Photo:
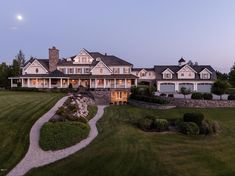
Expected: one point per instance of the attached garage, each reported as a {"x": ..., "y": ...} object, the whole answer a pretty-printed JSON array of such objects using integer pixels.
[
  {"x": 167, "y": 87},
  {"x": 186, "y": 85},
  {"x": 204, "y": 87}
]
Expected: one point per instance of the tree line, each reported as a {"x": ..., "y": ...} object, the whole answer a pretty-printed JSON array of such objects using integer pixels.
[{"x": 11, "y": 70}]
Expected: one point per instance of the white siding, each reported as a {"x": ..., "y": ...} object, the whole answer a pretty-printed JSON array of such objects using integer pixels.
[
  {"x": 35, "y": 68},
  {"x": 186, "y": 73}
]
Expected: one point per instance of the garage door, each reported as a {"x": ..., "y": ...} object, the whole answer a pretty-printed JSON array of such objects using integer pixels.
[
  {"x": 204, "y": 87},
  {"x": 186, "y": 85},
  {"x": 167, "y": 87}
]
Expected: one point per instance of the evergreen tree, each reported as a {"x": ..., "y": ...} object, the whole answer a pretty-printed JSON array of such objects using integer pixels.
[{"x": 232, "y": 76}]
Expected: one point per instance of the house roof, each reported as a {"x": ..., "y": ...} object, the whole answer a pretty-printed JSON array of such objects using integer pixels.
[
  {"x": 43, "y": 62},
  {"x": 139, "y": 69},
  {"x": 54, "y": 74},
  {"x": 181, "y": 60},
  {"x": 175, "y": 68}
]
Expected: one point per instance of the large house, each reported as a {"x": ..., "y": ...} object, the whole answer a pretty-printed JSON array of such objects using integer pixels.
[
  {"x": 198, "y": 78},
  {"x": 107, "y": 72},
  {"x": 88, "y": 69}
]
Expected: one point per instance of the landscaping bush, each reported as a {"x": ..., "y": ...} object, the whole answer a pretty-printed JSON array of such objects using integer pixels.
[
  {"x": 162, "y": 95},
  {"x": 152, "y": 99},
  {"x": 189, "y": 128},
  {"x": 26, "y": 89},
  {"x": 145, "y": 124},
  {"x": 161, "y": 124},
  {"x": 207, "y": 96},
  {"x": 209, "y": 127},
  {"x": 197, "y": 96},
  {"x": 171, "y": 95},
  {"x": 194, "y": 117},
  {"x": 231, "y": 97}
]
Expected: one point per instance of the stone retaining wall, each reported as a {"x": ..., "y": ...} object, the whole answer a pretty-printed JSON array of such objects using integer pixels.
[
  {"x": 149, "y": 105},
  {"x": 189, "y": 103}
]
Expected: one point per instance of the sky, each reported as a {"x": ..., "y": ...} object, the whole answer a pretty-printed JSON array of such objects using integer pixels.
[{"x": 143, "y": 32}]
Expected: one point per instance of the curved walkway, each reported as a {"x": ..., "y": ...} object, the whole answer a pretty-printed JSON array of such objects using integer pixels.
[{"x": 36, "y": 157}]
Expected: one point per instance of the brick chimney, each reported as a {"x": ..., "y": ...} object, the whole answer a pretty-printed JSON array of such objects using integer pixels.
[{"x": 53, "y": 58}]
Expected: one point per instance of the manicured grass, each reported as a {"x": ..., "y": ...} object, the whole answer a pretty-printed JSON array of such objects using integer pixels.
[
  {"x": 18, "y": 112},
  {"x": 123, "y": 149},
  {"x": 59, "y": 135},
  {"x": 92, "y": 111}
]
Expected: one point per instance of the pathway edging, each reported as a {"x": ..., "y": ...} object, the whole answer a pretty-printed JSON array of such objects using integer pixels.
[{"x": 36, "y": 157}]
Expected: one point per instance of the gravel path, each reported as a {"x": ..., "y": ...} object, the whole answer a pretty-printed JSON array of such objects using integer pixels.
[{"x": 36, "y": 157}]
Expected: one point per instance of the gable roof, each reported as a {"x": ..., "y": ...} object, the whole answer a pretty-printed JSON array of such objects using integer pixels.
[
  {"x": 181, "y": 60},
  {"x": 175, "y": 68},
  {"x": 186, "y": 65},
  {"x": 43, "y": 62},
  {"x": 139, "y": 69},
  {"x": 168, "y": 70},
  {"x": 103, "y": 64}
]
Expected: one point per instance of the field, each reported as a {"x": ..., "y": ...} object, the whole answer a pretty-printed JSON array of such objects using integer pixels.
[
  {"x": 18, "y": 112},
  {"x": 121, "y": 149}
]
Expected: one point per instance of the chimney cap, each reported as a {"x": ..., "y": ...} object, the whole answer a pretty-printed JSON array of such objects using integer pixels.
[{"x": 181, "y": 60}]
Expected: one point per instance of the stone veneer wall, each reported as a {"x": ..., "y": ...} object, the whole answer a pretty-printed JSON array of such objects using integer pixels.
[
  {"x": 149, "y": 105},
  {"x": 186, "y": 103},
  {"x": 189, "y": 103}
]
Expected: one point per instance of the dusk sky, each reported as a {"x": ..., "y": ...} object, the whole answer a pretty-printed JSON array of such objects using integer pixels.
[{"x": 145, "y": 33}]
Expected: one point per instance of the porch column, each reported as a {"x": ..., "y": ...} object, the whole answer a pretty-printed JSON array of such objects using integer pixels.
[
  {"x": 95, "y": 83},
  {"x": 44, "y": 83},
  {"x": 177, "y": 87},
  {"x": 158, "y": 86},
  {"x": 22, "y": 82},
  {"x": 104, "y": 83},
  {"x": 68, "y": 82},
  {"x": 136, "y": 82},
  {"x": 125, "y": 83},
  {"x": 115, "y": 83},
  {"x": 61, "y": 83},
  {"x": 11, "y": 82},
  {"x": 28, "y": 81},
  {"x": 37, "y": 82},
  {"x": 195, "y": 87},
  {"x": 90, "y": 83},
  {"x": 79, "y": 82},
  {"x": 49, "y": 83}
]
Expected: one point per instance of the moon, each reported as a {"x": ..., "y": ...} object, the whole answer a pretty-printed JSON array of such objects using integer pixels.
[{"x": 19, "y": 17}]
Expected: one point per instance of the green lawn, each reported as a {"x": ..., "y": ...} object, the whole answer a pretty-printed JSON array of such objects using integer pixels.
[
  {"x": 18, "y": 112},
  {"x": 59, "y": 135},
  {"x": 121, "y": 149}
]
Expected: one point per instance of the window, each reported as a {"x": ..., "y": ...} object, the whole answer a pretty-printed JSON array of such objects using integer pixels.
[
  {"x": 116, "y": 70},
  {"x": 189, "y": 74},
  {"x": 36, "y": 70},
  {"x": 142, "y": 74},
  {"x": 70, "y": 70},
  {"x": 167, "y": 76},
  {"x": 182, "y": 74},
  {"x": 78, "y": 70},
  {"x": 126, "y": 70},
  {"x": 87, "y": 70},
  {"x": 205, "y": 76},
  {"x": 84, "y": 59},
  {"x": 149, "y": 74},
  {"x": 101, "y": 70}
]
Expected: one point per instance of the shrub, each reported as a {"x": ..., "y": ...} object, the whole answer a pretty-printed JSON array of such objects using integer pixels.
[
  {"x": 162, "y": 95},
  {"x": 210, "y": 127},
  {"x": 61, "y": 111},
  {"x": 189, "y": 128},
  {"x": 194, "y": 117},
  {"x": 161, "y": 124},
  {"x": 207, "y": 96},
  {"x": 231, "y": 97},
  {"x": 197, "y": 96},
  {"x": 215, "y": 127},
  {"x": 171, "y": 95},
  {"x": 152, "y": 99},
  {"x": 145, "y": 124},
  {"x": 27, "y": 89}
]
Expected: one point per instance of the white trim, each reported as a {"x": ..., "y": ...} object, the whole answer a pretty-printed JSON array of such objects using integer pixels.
[
  {"x": 167, "y": 69},
  {"x": 206, "y": 70},
  {"x": 103, "y": 64},
  {"x": 39, "y": 64},
  {"x": 187, "y": 66}
]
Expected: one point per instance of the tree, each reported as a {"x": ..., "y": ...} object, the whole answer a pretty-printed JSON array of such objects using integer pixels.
[
  {"x": 185, "y": 91},
  {"x": 222, "y": 76},
  {"x": 20, "y": 57},
  {"x": 231, "y": 76},
  {"x": 5, "y": 72},
  {"x": 219, "y": 87}
]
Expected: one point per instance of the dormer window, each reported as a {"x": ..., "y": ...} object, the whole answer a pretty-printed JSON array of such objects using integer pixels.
[
  {"x": 167, "y": 76},
  {"x": 98, "y": 59},
  {"x": 142, "y": 74},
  {"x": 36, "y": 70},
  {"x": 205, "y": 76}
]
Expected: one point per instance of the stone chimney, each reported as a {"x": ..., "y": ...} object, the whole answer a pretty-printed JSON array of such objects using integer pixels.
[{"x": 53, "y": 58}]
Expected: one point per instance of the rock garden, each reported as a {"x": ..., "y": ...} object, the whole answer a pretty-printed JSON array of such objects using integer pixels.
[{"x": 69, "y": 125}]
